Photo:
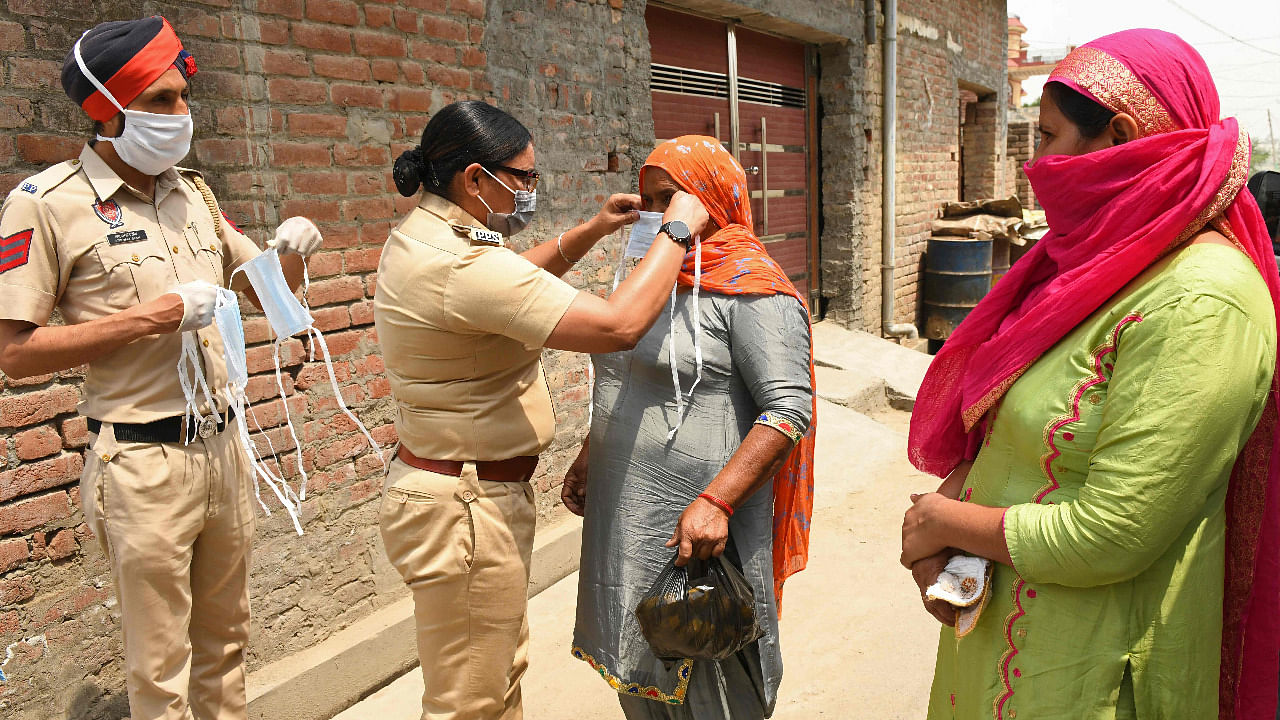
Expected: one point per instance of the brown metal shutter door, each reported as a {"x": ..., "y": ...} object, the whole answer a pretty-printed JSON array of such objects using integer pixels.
[
  {"x": 690, "y": 86},
  {"x": 681, "y": 42},
  {"x": 771, "y": 90}
]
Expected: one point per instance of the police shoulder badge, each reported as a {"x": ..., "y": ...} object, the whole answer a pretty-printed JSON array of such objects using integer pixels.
[
  {"x": 109, "y": 212},
  {"x": 30, "y": 188},
  {"x": 479, "y": 235}
]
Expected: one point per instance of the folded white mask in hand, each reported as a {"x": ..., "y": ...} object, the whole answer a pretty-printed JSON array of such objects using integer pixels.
[
  {"x": 643, "y": 233},
  {"x": 962, "y": 582},
  {"x": 287, "y": 316},
  {"x": 226, "y": 314},
  {"x": 198, "y": 299},
  {"x": 296, "y": 235},
  {"x": 226, "y": 317}
]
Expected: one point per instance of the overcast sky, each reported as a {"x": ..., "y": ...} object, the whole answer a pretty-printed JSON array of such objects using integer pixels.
[{"x": 1246, "y": 69}]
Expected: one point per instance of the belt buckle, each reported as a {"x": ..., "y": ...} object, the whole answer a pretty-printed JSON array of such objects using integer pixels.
[{"x": 208, "y": 426}]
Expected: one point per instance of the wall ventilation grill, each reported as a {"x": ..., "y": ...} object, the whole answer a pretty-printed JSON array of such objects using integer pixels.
[{"x": 701, "y": 83}]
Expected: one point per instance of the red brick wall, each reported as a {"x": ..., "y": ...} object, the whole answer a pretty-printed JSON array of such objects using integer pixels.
[
  {"x": 1024, "y": 136},
  {"x": 944, "y": 48},
  {"x": 299, "y": 108}
]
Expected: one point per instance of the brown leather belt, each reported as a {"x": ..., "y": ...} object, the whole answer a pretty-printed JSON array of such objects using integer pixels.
[{"x": 516, "y": 469}]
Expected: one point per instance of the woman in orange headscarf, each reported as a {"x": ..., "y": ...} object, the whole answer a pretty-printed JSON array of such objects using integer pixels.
[{"x": 715, "y": 456}]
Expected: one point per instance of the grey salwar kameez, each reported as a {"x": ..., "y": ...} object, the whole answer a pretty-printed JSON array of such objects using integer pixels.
[{"x": 755, "y": 353}]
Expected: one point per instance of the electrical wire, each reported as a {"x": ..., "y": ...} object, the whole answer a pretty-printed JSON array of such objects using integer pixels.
[{"x": 1211, "y": 26}]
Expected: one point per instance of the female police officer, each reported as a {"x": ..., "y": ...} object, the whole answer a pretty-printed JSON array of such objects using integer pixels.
[{"x": 462, "y": 321}]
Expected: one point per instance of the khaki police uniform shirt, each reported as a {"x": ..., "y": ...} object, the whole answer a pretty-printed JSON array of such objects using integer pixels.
[
  {"x": 76, "y": 237},
  {"x": 462, "y": 325}
]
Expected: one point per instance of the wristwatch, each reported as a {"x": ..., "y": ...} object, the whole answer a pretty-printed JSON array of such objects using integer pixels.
[{"x": 678, "y": 231}]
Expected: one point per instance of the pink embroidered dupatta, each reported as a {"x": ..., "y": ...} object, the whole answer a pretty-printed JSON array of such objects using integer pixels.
[{"x": 1112, "y": 214}]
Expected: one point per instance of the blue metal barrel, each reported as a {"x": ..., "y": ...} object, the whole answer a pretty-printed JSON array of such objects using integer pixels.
[
  {"x": 1000, "y": 260},
  {"x": 957, "y": 274}
]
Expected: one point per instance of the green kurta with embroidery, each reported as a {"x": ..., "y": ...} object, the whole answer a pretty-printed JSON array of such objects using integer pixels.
[{"x": 1113, "y": 453}]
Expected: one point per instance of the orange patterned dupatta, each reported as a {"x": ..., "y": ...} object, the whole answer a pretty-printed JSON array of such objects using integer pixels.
[
  {"x": 734, "y": 262},
  {"x": 1112, "y": 214}
]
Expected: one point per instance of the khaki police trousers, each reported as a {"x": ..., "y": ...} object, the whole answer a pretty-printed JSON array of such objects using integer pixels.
[
  {"x": 463, "y": 545},
  {"x": 176, "y": 521}
]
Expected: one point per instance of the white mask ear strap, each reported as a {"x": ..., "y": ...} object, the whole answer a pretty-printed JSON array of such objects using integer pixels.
[
  {"x": 683, "y": 401},
  {"x": 191, "y": 377},
  {"x": 674, "y": 359},
  {"x": 697, "y": 318},
  {"x": 85, "y": 69}
]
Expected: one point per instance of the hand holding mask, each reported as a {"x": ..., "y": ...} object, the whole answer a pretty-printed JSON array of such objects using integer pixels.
[{"x": 197, "y": 304}]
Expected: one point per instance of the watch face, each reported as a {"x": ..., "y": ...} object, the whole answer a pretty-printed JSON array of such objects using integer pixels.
[{"x": 678, "y": 229}]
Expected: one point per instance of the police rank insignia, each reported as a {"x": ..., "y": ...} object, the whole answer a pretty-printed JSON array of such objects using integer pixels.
[
  {"x": 109, "y": 212},
  {"x": 478, "y": 235},
  {"x": 27, "y": 187},
  {"x": 15, "y": 250}
]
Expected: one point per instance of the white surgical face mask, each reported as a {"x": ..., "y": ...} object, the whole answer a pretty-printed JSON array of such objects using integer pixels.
[
  {"x": 513, "y": 222},
  {"x": 643, "y": 233},
  {"x": 226, "y": 316},
  {"x": 287, "y": 316},
  {"x": 150, "y": 143},
  {"x": 153, "y": 143}
]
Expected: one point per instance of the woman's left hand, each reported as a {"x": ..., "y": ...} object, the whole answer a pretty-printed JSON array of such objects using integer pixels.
[
  {"x": 920, "y": 527},
  {"x": 574, "y": 491},
  {"x": 620, "y": 209},
  {"x": 702, "y": 532}
]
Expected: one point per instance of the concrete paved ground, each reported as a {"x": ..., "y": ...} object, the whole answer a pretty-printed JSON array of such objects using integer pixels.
[{"x": 856, "y": 643}]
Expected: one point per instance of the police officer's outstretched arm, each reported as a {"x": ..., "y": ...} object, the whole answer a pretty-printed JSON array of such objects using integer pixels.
[
  {"x": 559, "y": 255},
  {"x": 593, "y": 324},
  {"x": 28, "y": 349},
  {"x": 35, "y": 275}
]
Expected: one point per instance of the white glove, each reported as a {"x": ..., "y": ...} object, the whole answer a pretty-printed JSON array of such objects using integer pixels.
[
  {"x": 296, "y": 235},
  {"x": 198, "y": 298}
]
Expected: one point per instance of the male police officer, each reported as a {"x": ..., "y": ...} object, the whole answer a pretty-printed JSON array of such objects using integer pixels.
[{"x": 132, "y": 250}]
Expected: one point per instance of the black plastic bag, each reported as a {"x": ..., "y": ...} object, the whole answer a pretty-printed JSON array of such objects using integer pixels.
[{"x": 703, "y": 611}]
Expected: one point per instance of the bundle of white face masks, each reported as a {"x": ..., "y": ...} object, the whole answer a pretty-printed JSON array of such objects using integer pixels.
[{"x": 287, "y": 318}]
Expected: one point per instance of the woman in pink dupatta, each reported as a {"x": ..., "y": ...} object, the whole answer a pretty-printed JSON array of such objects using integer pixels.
[{"x": 1106, "y": 420}]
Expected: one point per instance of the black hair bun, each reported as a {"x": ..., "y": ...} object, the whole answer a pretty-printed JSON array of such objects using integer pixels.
[{"x": 408, "y": 172}]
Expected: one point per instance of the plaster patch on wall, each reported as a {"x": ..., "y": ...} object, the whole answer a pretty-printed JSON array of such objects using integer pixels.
[
  {"x": 916, "y": 26},
  {"x": 8, "y": 652},
  {"x": 954, "y": 46}
]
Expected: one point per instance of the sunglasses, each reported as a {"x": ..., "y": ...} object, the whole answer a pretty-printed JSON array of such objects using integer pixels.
[{"x": 530, "y": 178}]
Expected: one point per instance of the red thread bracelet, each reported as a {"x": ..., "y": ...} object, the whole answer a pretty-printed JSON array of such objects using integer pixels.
[{"x": 718, "y": 503}]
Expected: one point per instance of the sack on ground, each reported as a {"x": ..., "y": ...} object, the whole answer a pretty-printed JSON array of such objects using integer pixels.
[{"x": 703, "y": 611}]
